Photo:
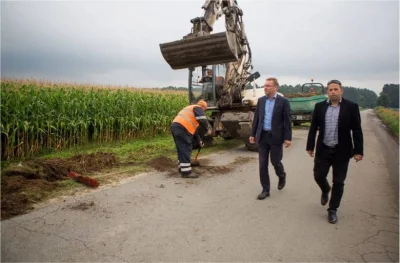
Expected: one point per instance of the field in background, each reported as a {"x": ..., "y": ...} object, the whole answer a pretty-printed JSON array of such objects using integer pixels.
[
  {"x": 41, "y": 116},
  {"x": 390, "y": 118}
]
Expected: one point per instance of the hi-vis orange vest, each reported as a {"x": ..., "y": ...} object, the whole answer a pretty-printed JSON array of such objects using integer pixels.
[{"x": 187, "y": 119}]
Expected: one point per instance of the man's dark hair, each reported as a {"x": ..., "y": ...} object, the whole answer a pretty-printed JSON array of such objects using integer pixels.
[{"x": 334, "y": 81}]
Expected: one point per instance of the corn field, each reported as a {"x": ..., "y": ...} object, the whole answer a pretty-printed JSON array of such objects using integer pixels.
[{"x": 38, "y": 116}]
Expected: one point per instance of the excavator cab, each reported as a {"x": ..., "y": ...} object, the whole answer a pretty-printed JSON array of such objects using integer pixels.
[
  {"x": 313, "y": 88},
  {"x": 206, "y": 82}
]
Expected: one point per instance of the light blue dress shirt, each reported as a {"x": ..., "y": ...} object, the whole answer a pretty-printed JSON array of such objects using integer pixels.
[{"x": 269, "y": 110}]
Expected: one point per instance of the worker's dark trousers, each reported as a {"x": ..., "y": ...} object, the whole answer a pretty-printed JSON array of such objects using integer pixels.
[
  {"x": 183, "y": 142},
  {"x": 327, "y": 158}
]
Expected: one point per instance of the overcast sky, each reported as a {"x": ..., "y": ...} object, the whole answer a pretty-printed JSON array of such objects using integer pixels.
[{"x": 109, "y": 42}]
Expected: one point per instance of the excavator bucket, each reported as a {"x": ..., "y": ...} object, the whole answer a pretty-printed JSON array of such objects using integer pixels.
[{"x": 199, "y": 51}]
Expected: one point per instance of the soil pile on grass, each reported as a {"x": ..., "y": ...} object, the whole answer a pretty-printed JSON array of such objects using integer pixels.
[
  {"x": 94, "y": 162},
  {"x": 30, "y": 182},
  {"x": 163, "y": 164},
  {"x": 18, "y": 194}
]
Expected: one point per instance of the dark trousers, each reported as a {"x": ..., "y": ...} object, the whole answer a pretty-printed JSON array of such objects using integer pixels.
[
  {"x": 183, "y": 143},
  {"x": 328, "y": 157},
  {"x": 265, "y": 148}
]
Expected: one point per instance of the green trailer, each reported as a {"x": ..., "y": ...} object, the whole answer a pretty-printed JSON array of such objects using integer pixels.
[{"x": 302, "y": 107}]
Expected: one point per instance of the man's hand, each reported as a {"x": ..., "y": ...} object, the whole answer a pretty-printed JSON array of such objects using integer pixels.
[
  {"x": 311, "y": 153},
  {"x": 201, "y": 144},
  {"x": 287, "y": 143},
  {"x": 252, "y": 139},
  {"x": 209, "y": 132},
  {"x": 358, "y": 157}
]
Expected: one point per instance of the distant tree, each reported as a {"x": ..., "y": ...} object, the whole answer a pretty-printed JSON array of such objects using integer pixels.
[
  {"x": 174, "y": 88},
  {"x": 370, "y": 98},
  {"x": 351, "y": 93},
  {"x": 364, "y": 97},
  {"x": 286, "y": 89},
  {"x": 383, "y": 100},
  {"x": 392, "y": 90},
  {"x": 361, "y": 102}
]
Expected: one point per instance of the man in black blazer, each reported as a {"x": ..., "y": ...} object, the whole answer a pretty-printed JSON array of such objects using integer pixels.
[
  {"x": 335, "y": 119},
  {"x": 271, "y": 129}
]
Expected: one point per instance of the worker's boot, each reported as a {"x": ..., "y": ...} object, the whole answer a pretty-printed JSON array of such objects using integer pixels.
[{"x": 190, "y": 175}]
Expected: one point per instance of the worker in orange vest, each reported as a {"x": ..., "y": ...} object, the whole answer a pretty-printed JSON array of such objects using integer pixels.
[{"x": 190, "y": 124}]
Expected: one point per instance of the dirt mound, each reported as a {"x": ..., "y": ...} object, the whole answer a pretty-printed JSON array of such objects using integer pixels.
[
  {"x": 95, "y": 161},
  {"x": 18, "y": 194},
  {"x": 24, "y": 184},
  {"x": 210, "y": 170},
  {"x": 23, "y": 171},
  {"x": 163, "y": 164},
  {"x": 57, "y": 169}
]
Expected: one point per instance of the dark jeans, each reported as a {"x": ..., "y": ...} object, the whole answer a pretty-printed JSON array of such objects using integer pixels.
[
  {"x": 339, "y": 165},
  {"x": 265, "y": 148}
]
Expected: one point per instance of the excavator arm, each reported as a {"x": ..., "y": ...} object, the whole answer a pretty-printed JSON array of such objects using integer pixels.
[{"x": 200, "y": 48}]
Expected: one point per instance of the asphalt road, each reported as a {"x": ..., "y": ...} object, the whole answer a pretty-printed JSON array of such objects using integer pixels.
[{"x": 159, "y": 217}]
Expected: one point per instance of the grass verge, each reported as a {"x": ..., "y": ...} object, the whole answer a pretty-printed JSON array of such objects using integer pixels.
[{"x": 390, "y": 118}]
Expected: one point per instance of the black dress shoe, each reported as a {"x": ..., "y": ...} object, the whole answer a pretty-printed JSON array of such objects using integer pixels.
[
  {"x": 325, "y": 197},
  {"x": 282, "y": 181},
  {"x": 332, "y": 218},
  {"x": 263, "y": 195}
]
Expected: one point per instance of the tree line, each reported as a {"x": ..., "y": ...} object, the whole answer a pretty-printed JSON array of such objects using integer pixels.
[
  {"x": 365, "y": 98},
  {"x": 389, "y": 97}
]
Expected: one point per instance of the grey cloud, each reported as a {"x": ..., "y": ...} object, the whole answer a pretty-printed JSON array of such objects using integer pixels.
[{"x": 118, "y": 42}]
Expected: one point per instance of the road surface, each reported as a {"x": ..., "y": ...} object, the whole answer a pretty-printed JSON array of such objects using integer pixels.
[{"x": 161, "y": 217}]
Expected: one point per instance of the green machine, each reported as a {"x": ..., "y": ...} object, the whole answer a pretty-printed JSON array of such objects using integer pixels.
[{"x": 302, "y": 106}]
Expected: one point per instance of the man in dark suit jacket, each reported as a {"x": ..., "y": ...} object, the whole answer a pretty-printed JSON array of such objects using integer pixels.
[
  {"x": 271, "y": 129},
  {"x": 335, "y": 119}
]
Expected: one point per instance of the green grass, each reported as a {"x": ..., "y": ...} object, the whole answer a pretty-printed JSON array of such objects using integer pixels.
[
  {"x": 390, "y": 118},
  {"x": 141, "y": 150},
  {"x": 121, "y": 149}
]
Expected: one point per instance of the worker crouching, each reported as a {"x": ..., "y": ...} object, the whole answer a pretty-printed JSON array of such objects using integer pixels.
[{"x": 190, "y": 124}]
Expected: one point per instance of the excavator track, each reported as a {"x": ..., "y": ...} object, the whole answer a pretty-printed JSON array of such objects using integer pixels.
[{"x": 199, "y": 51}]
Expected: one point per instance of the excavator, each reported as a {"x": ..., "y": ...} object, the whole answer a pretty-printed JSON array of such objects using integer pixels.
[{"x": 219, "y": 67}]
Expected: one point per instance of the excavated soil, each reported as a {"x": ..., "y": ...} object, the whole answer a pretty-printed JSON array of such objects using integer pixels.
[
  {"x": 25, "y": 184},
  {"x": 15, "y": 199},
  {"x": 203, "y": 168},
  {"x": 164, "y": 164}
]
